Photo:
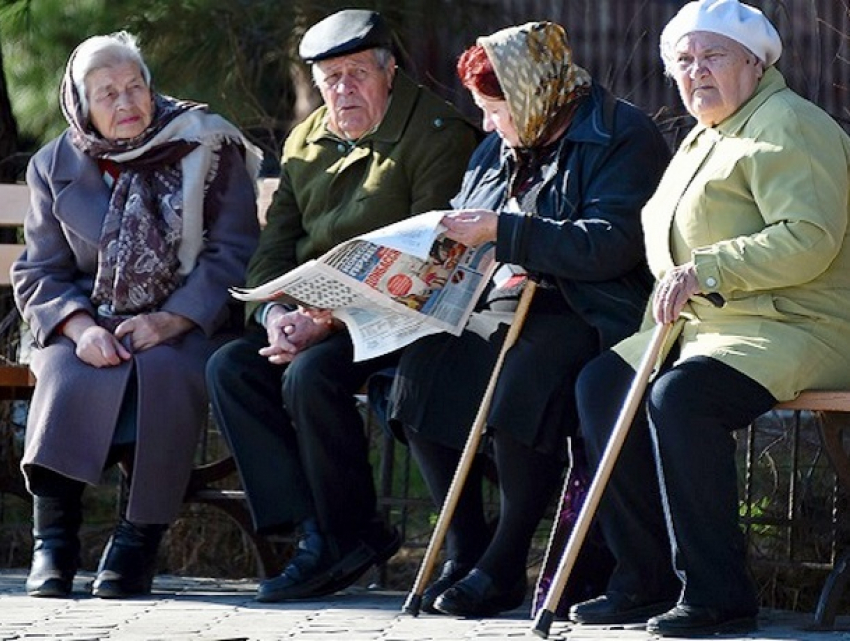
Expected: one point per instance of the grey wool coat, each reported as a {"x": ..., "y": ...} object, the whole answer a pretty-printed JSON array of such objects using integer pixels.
[{"x": 75, "y": 407}]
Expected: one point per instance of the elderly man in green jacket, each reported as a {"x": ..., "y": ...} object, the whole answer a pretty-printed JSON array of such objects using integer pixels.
[{"x": 380, "y": 149}]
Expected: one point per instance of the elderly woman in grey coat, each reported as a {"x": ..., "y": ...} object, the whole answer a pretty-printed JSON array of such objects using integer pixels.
[{"x": 142, "y": 215}]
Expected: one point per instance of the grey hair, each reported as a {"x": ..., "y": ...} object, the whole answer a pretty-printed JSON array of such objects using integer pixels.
[
  {"x": 104, "y": 51},
  {"x": 382, "y": 55}
]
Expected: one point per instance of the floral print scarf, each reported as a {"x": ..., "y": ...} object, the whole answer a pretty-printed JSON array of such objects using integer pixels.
[
  {"x": 153, "y": 229},
  {"x": 534, "y": 65}
]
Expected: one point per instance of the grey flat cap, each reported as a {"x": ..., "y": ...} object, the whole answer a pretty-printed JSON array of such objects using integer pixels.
[{"x": 345, "y": 32}]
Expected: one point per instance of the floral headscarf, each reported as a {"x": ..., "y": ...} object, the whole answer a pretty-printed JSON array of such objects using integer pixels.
[
  {"x": 534, "y": 65},
  {"x": 153, "y": 230}
]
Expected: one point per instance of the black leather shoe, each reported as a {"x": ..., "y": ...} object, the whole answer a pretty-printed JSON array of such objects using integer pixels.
[
  {"x": 698, "y": 621},
  {"x": 128, "y": 563},
  {"x": 475, "y": 596},
  {"x": 323, "y": 565},
  {"x": 451, "y": 573},
  {"x": 376, "y": 545},
  {"x": 383, "y": 540},
  {"x": 306, "y": 572},
  {"x": 613, "y": 608}
]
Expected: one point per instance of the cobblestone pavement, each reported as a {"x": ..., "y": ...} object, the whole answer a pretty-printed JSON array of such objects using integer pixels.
[{"x": 197, "y": 609}]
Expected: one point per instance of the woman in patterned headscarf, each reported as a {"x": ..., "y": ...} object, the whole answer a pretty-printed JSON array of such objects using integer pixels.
[
  {"x": 142, "y": 215},
  {"x": 557, "y": 186}
]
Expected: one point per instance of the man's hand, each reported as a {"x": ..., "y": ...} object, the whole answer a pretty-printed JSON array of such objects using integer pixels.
[{"x": 291, "y": 332}]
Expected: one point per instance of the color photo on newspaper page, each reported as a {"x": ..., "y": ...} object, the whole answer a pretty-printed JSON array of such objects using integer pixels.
[{"x": 399, "y": 282}]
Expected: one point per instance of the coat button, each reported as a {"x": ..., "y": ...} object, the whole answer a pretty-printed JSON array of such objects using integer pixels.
[
  {"x": 341, "y": 148},
  {"x": 438, "y": 123},
  {"x": 711, "y": 282}
]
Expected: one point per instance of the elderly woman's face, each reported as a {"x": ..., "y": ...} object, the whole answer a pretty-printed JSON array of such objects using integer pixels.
[
  {"x": 120, "y": 102},
  {"x": 497, "y": 117},
  {"x": 715, "y": 75},
  {"x": 356, "y": 91}
]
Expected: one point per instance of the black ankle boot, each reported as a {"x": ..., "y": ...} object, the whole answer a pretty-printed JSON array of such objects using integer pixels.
[
  {"x": 128, "y": 563},
  {"x": 56, "y": 548}
]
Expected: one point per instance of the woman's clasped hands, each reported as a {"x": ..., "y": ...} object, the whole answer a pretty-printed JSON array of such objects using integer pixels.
[{"x": 99, "y": 347}]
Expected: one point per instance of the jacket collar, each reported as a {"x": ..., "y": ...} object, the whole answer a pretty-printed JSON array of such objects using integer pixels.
[
  {"x": 588, "y": 124},
  {"x": 69, "y": 163},
  {"x": 771, "y": 83},
  {"x": 81, "y": 195}
]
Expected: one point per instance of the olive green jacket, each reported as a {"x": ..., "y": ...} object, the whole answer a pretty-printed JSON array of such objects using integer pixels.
[
  {"x": 760, "y": 204},
  {"x": 332, "y": 190}
]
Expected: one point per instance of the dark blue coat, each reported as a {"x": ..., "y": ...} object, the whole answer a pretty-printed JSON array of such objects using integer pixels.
[{"x": 585, "y": 230}]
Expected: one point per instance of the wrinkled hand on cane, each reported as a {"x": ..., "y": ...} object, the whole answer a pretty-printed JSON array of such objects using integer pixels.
[
  {"x": 546, "y": 614},
  {"x": 467, "y": 457}
]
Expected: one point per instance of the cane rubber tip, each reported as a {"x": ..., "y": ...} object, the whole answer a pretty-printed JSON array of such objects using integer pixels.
[
  {"x": 542, "y": 623},
  {"x": 412, "y": 605}
]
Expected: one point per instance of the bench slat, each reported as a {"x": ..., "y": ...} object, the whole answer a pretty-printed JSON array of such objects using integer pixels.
[
  {"x": 14, "y": 202},
  {"x": 819, "y": 401},
  {"x": 16, "y": 376},
  {"x": 9, "y": 253},
  {"x": 265, "y": 191}
]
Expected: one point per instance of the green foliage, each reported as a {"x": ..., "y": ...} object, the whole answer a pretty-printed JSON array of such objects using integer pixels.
[
  {"x": 758, "y": 509},
  {"x": 238, "y": 56},
  {"x": 37, "y": 38},
  {"x": 233, "y": 55}
]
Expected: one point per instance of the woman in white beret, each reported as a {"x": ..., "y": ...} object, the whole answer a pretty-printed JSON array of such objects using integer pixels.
[{"x": 746, "y": 237}]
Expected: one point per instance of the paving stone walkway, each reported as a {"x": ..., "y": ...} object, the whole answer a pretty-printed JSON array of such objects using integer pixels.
[{"x": 198, "y": 609}]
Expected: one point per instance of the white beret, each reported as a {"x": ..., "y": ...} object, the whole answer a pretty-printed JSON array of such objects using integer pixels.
[{"x": 740, "y": 22}]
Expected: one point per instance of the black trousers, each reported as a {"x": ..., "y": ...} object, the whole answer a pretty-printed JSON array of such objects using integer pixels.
[
  {"x": 670, "y": 509},
  {"x": 296, "y": 433}
]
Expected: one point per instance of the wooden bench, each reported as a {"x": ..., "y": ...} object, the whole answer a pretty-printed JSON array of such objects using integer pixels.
[
  {"x": 205, "y": 479},
  {"x": 16, "y": 380},
  {"x": 830, "y": 411}
]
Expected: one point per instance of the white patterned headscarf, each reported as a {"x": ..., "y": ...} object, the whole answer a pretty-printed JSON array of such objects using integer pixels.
[
  {"x": 154, "y": 228},
  {"x": 534, "y": 65}
]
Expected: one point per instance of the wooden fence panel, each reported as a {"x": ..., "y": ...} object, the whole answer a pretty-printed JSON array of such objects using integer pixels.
[{"x": 617, "y": 41}]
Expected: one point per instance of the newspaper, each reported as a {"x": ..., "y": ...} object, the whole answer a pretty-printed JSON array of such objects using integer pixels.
[{"x": 390, "y": 286}]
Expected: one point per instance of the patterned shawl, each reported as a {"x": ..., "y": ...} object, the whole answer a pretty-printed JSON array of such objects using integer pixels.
[
  {"x": 153, "y": 230},
  {"x": 533, "y": 63}
]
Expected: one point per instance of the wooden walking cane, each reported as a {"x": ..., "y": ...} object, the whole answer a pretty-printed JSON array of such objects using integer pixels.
[
  {"x": 544, "y": 618},
  {"x": 467, "y": 457}
]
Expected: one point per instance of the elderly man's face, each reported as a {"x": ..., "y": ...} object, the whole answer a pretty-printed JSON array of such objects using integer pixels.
[
  {"x": 715, "y": 75},
  {"x": 120, "y": 102},
  {"x": 356, "y": 91}
]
